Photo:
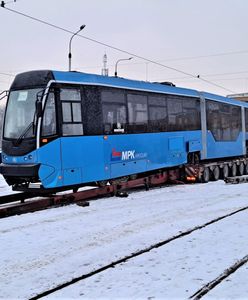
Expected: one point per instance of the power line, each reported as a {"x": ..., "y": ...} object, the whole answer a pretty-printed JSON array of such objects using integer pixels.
[
  {"x": 209, "y": 55},
  {"x": 206, "y": 75},
  {"x": 184, "y": 58},
  {"x": 117, "y": 49},
  {"x": 7, "y": 74}
]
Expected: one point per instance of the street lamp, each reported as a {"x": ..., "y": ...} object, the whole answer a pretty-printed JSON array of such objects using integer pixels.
[
  {"x": 69, "y": 54},
  {"x": 118, "y": 62}
]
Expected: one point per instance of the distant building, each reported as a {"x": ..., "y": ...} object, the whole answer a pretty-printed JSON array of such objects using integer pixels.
[{"x": 240, "y": 97}]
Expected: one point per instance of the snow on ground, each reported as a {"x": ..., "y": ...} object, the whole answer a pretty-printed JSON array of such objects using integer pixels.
[
  {"x": 178, "y": 269},
  {"x": 43, "y": 249},
  {"x": 4, "y": 188}
]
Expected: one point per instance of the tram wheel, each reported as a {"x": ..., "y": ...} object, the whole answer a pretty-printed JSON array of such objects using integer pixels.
[
  {"x": 216, "y": 173},
  {"x": 205, "y": 175}
]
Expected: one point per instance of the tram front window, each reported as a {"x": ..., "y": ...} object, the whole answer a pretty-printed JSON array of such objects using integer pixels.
[{"x": 20, "y": 114}]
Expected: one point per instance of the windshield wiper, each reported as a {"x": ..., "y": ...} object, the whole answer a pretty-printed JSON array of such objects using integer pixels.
[{"x": 24, "y": 132}]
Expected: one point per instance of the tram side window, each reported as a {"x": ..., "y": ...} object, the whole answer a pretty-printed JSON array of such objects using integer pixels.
[
  {"x": 191, "y": 114},
  {"x": 223, "y": 120},
  {"x": 137, "y": 113},
  {"x": 49, "y": 117},
  {"x": 236, "y": 122},
  {"x": 183, "y": 113},
  {"x": 175, "y": 114},
  {"x": 213, "y": 119},
  {"x": 71, "y": 111},
  {"x": 157, "y": 113},
  {"x": 114, "y": 111},
  {"x": 246, "y": 119}
]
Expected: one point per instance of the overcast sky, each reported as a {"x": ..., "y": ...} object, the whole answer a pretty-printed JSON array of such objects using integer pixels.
[{"x": 187, "y": 35}]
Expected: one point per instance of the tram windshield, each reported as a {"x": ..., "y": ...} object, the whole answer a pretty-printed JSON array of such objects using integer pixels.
[{"x": 20, "y": 112}]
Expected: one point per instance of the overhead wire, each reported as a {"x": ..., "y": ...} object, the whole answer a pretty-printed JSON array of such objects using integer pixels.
[
  {"x": 184, "y": 58},
  {"x": 7, "y": 74},
  {"x": 117, "y": 49},
  {"x": 207, "y": 75}
]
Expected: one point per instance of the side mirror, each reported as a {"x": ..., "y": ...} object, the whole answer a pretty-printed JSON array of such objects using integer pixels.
[{"x": 38, "y": 108}]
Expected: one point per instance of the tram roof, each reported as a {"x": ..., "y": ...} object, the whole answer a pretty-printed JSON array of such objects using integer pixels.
[{"x": 118, "y": 82}]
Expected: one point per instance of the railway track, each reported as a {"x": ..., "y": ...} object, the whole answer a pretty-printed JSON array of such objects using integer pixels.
[
  {"x": 197, "y": 295},
  {"x": 16, "y": 197},
  {"x": 210, "y": 285}
]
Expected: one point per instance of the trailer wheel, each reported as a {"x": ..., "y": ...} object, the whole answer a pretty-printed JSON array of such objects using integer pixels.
[
  {"x": 246, "y": 168},
  {"x": 225, "y": 171},
  {"x": 234, "y": 170},
  {"x": 216, "y": 173},
  {"x": 205, "y": 175},
  {"x": 241, "y": 169}
]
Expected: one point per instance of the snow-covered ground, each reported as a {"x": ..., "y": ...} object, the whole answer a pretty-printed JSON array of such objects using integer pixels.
[
  {"x": 44, "y": 249},
  {"x": 176, "y": 270}
]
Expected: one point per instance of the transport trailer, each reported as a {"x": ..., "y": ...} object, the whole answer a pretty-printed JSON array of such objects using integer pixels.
[{"x": 69, "y": 129}]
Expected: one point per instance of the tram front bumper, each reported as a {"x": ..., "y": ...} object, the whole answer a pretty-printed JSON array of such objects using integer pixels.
[{"x": 19, "y": 170}]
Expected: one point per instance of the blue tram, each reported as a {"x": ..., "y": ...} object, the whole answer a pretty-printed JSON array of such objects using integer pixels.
[{"x": 68, "y": 129}]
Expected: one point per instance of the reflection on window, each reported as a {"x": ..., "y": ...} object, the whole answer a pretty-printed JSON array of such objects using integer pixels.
[
  {"x": 71, "y": 111},
  {"x": 114, "y": 117},
  {"x": 73, "y": 129},
  {"x": 49, "y": 117},
  {"x": 157, "y": 113},
  {"x": 183, "y": 113},
  {"x": 114, "y": 111},
  {"x": 223, "y": 120},
  {"x": 66, "y": 109},
  {"x": 70, "y": 94},
  {"x": 20, "y": 113},
  {"x": 137, "y": 113},
  {"x": 76, "y": 112}
]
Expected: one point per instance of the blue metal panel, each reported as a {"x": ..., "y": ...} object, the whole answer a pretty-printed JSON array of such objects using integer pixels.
[
  {"x": 84, "y": 153},
  {"x": 76, "y": 160},
  {"x": 217, "y": 149},
  {"x": 101, "y": 158},
  {"x": 50, "y": 172},
  {"x": 195, "y": 146},
  {"x": 176, "y": 144},
  {"x": 72, "y": 176},
  {"x": 128, "y": 168}
]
